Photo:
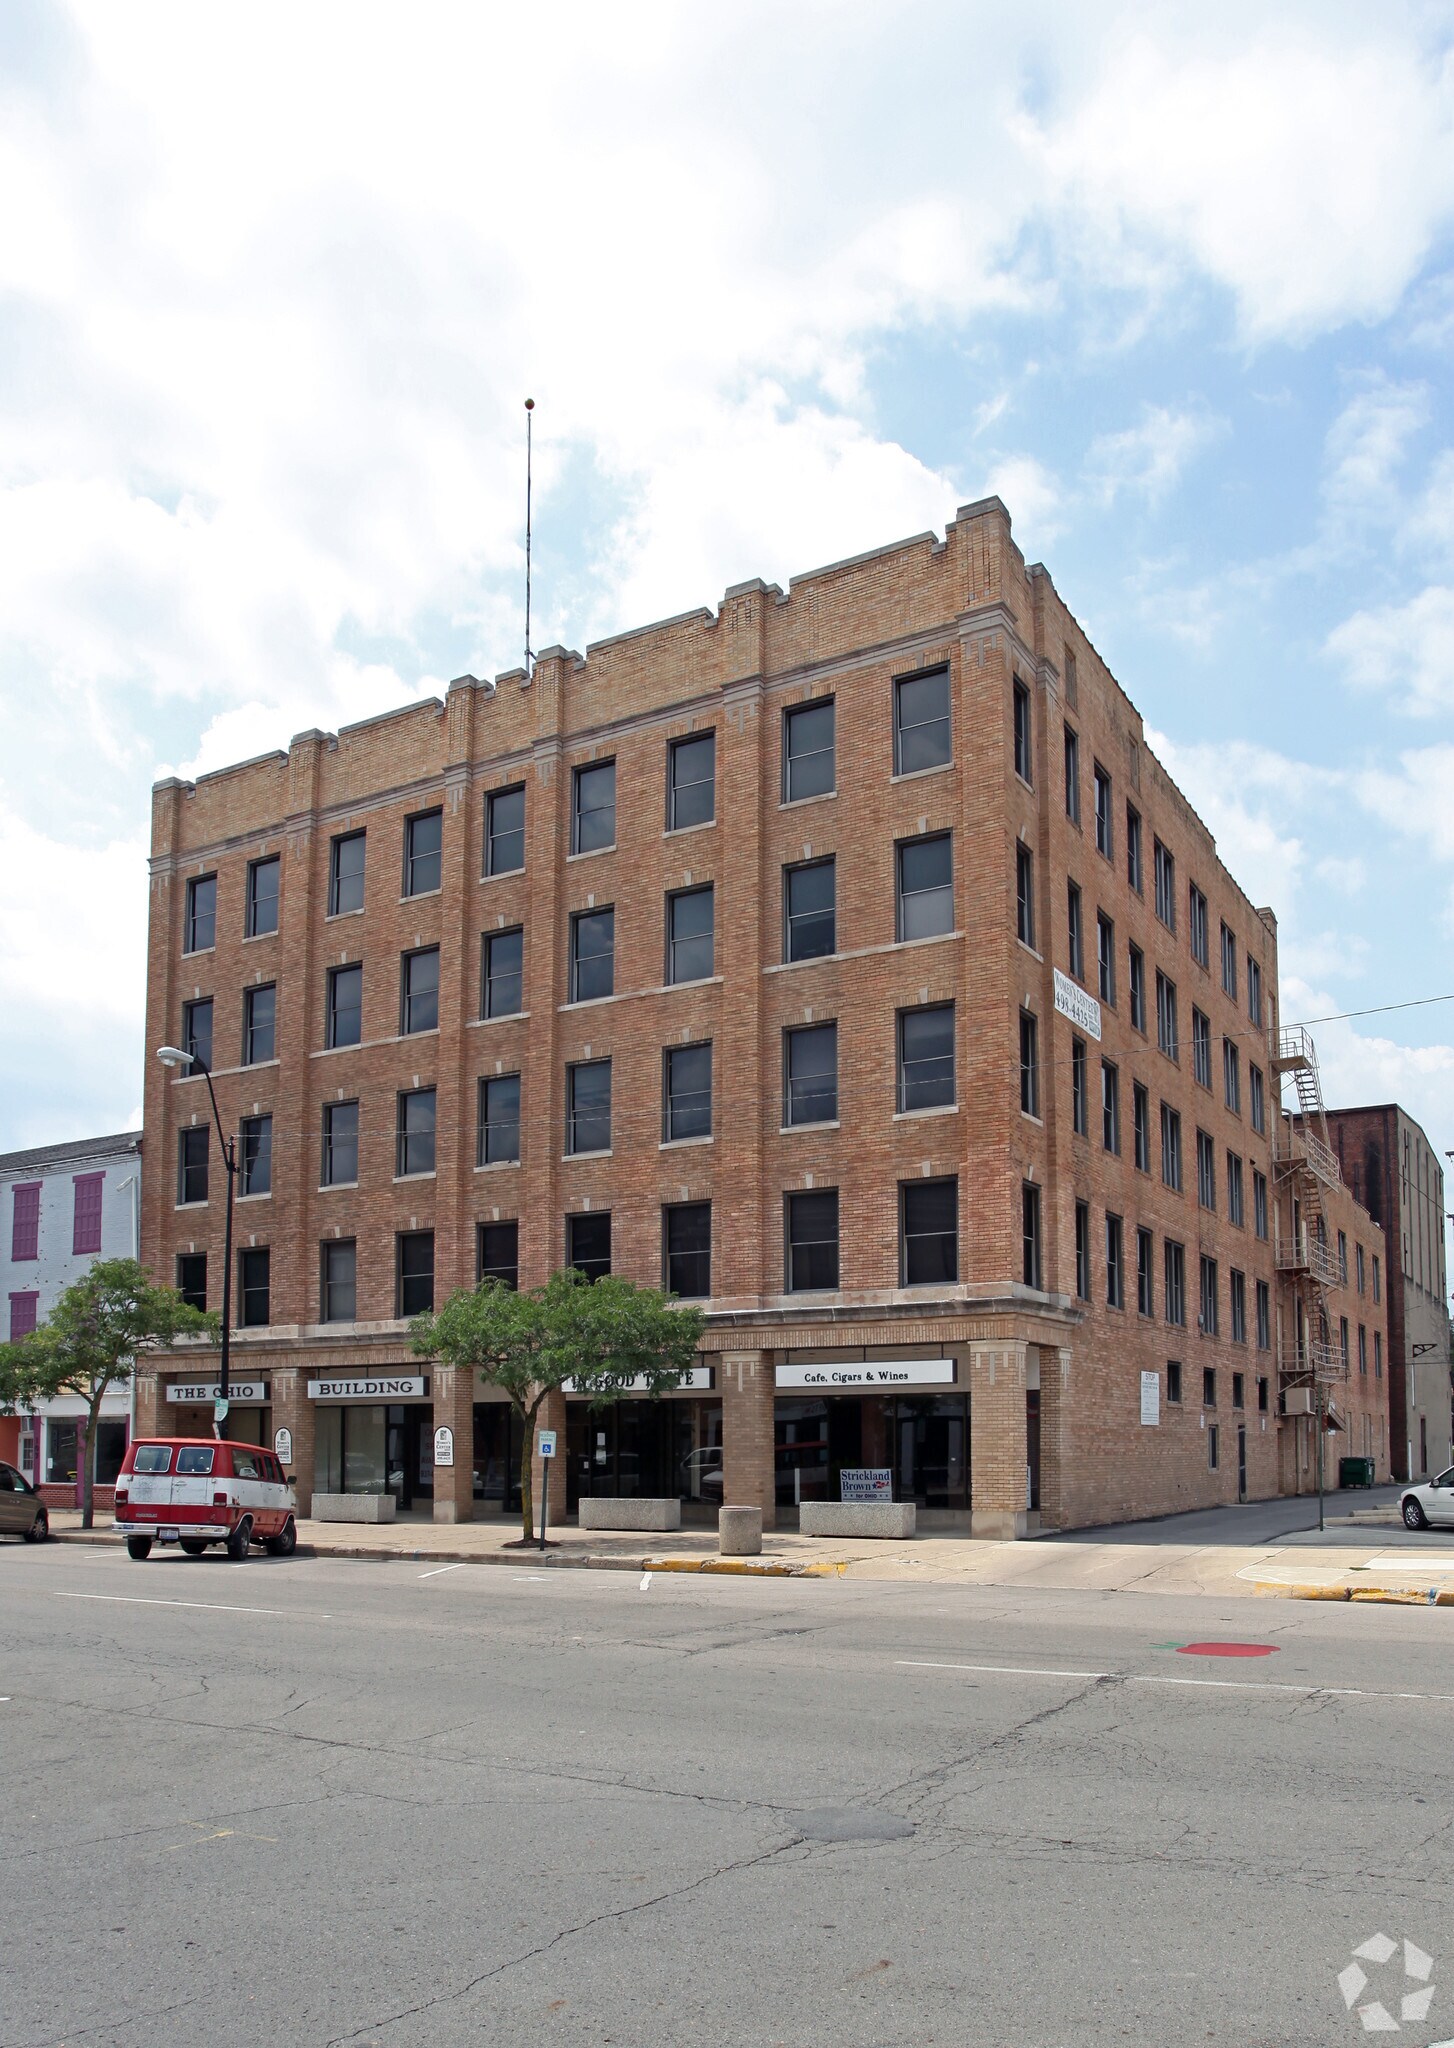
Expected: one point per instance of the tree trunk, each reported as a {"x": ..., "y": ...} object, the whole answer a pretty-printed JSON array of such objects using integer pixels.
[
  {"x": 88, "y": 1461},
  {"x": 526, "y": 1450}
]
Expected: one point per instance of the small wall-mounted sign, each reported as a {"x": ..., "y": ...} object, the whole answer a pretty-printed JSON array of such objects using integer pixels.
[{"x": 443, "y": 1446}]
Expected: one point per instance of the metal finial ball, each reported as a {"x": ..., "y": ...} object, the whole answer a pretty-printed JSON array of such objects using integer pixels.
[{"x": 530, "y": 405}]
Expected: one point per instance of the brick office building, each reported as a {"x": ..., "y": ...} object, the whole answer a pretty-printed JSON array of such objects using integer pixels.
[{"x": 844, "y": 959}]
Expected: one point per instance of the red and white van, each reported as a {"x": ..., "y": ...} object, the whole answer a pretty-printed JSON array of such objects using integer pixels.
[{"x": 195, "y": 1490}]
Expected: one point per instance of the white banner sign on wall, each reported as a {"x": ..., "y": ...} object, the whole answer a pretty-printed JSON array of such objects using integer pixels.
[
  {"x": 410, "y": 1388},
  {"x": 1072, "y": 1001},
  {"x": 697, "y": 1380},
  {"x": 856, "y": 1376},
  {"x": 1151, "y": 1397},
  {"x": 202, "y": 1393}
]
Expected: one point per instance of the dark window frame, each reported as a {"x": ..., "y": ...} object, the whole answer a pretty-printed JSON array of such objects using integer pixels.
[
  {"x": 799, "y": 1203},
  {"x": 794, "y": 764},
  {"x": 490, "y": 976},
  {"x": 676, "y": 788},
  {"x": 411, "y": 1140},
  {"x": 583, "y": 828},
  {"x": 494, "y": 1094},
  {"x": 939, "y": 673},
  {"x": 675, "y": 898},
  {"x": 417, "y": 860},
  {"x": 674, "y": 1102},
  {"x": 499, "y": 839},
  {"x": 256, "y": 904},
  {"x": 340, "y": 879},
  {"x": 197, "y": 922},
  {"x": 332, "y": 1009},
  {"x": 913, "y": 1241}
]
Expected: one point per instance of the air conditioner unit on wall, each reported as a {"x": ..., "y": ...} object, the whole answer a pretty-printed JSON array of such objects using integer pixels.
[{"x": 1298, "y": 1401}]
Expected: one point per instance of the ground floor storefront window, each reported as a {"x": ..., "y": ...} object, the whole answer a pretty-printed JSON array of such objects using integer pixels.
[
  {"x": 498, "y": 1439},
  {"x": 374, "y": 1447},
  {"x": 921, "y": 1439},
  {"x": 669, "y": 1449}
]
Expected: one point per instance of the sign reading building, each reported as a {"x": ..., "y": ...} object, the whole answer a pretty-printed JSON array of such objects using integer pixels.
[
  {"x": 413, "y": 1387},
  {"x": 1072, "y": 1001},
  {"x": 859, "y": 1376}
]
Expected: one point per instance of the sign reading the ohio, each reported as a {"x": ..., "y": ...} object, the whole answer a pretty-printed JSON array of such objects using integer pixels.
[
  {"x": 1072, "y": 1001},
  {"x": 202, "y": 1393}
]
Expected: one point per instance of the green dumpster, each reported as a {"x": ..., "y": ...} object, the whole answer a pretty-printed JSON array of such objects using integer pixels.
[{"x": 1355, "y": 1472}]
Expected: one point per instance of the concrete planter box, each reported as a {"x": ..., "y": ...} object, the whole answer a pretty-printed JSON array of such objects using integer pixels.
[
  {"x": 353, "y": 1507},
  {"x": 888, "y": 1518},
  {"x": 600, "y": 1512}
]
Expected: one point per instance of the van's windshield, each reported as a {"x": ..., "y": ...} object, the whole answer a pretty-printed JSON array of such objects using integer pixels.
[
  {"x": 153, "y": 1458},
  {"x": 195, "y": 1458}
]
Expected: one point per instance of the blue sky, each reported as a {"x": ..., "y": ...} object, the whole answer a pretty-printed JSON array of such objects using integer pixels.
[{"x": 787, "y": 282}]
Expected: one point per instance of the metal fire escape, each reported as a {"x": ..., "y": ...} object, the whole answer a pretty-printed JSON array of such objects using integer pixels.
[{"x": 1310, "y": 1355}]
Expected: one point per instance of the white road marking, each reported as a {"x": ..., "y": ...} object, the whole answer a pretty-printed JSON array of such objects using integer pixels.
[
  {"x": 1338, "y": 1692},
  {"x": 440, "y": 1568},
  {"x": 1411, "y": 1561},
  {"x": 135, "y": 1600},
  {"x": 645, "y": 1581}
]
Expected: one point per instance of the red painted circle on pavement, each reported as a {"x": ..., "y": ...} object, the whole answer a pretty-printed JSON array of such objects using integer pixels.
[{"x": 1226, "y": 1649}]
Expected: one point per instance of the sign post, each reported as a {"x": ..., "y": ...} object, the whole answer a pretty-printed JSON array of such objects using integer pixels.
[{"x": 545, "y": 1440}]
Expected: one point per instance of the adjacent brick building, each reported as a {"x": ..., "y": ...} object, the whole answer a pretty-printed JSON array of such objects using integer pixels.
[{"x": 844, "y": 959}]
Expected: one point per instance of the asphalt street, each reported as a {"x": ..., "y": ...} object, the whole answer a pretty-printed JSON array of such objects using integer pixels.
[{"x": 327, "y": 1801}]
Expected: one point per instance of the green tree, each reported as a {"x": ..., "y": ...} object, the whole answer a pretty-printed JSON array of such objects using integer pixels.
[
  {"x": 607, "y": 1337},
  {"x": 89, "y": 1343}
]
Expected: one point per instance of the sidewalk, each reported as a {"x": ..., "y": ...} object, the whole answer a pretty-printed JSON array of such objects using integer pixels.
[{"x": 1364, "y": 1553}]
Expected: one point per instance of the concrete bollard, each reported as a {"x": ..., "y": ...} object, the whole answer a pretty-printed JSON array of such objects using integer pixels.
[{"x": 739, "y": 1532}]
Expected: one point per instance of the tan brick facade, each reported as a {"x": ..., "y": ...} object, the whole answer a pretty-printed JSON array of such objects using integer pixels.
[{"x": 1051, "y": 1386}]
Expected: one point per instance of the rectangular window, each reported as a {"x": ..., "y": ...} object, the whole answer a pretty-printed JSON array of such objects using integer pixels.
[
  {"x": 1343, "y": 1343},
  {"x": 1229, "y": 961},
  {"x": 1362, "y": 1349},
  {"x": 1214, "y": 1451},
  {"x": 928, "y": 1232},
  {"x": 810, "y": 1074},
  {"x": 808, "y": 765},
  {"x": 1115, "y": 1263},
  {"x": 687, "y": 1082},
  {"x": 344, "y": 1022},
  {"x": 1106, "y": 958},
  {"x": 257, "y": 1155},
  {"x": 926, "y": 1057},
  {"x": 1082, "y": 1250},
  {"x": 1173, "y": 1381},
  {"x": 592, "y": 954},
  {"x": 690, "y": 924},
  {"x": 1075, "y": 933},
  {"x": 338, "y": 1289},
  {"x": 505, "y": 830},
  {"x": 812, "y": 1240},
  {"x": 340, "y": 1144},
  {"x": 346, "y": 874},
  {"x": 1237, "y": 1300},
  {"x": 1264, "y": 1315},
  {"x": 1025, "y": 894},
  {"x": 419, "y": 991},
  {"x": 1262, "y": 1395},
  {"x": 1359, "y": 1267},
  {"x": 1235, "y": 1211},
  {"x": 1165, "y": 869},
  {"x": 1072, "y": 776},
  {"x": 497, "y": 1254},
  {"x": 503, "y": 975},
  {"x": 1254, "y": 991},
  {"x": 192, "y": 1149},
  {"x": 588, "y": 1107},
  {"x": 686, "y": 1229},
  {"x": 1171, "y": 1146},
  {"x": 199, "y": 933},
  {"x": 691, "y": 781},
  {"x": 1377, "y": 1283},
  {"x": 593, "y": 807},
  {"x": 809, "y": 895},
  {"x": 1141, "y": 1126},
  {"x": 1166, "y": 1032},
  {"x": 1133, "y": 848},
  {"x": 414, "y": 1268},
  {"x": 1145, "y": 1302},
  {"x": 263, "y": 882},
  {"x": 197, "y": 1030},
  {"x": 921, "y": 721},
  {"x": 1110, "y": 1107},
  {"x": 86, "y": 1190},
  {"x": 1378, "y": 1354},
  {"x": 415, "y": 1147},
  {"x": 926, "y": 886},
  {"x": 1257, "y": 1100},
  {"x": 1029, "y": 1064},
  {"x": 1173, "y": 1281},
  {"x": 259, "y": 1024},
  {"x": 1259, "y": 1203},
  {"x": 1105, "y": 831},
  {"x": 254, "y": 1287},
  {"x": 423, "y": 852},
  {"x": 1208, "y": 1320},
  {"x": 1231, "y": 1076},
  {"x": 1138, "y": 990},
  {"x": 1024, "y": 747},
  {"x": 1209, "y": 1386},
  {"x": 499, "y": 1142},
  {"x": 1201, "y": 1048},
  {"x": 1197, "y": 936},
  {"x": 1343, "y": 1257},
  {"x": 1206, "y": 1172},
  {"x": 588, "y": 1243},
  {"x": 1079, "y": 1106},
  {"x": 1030, "y": 1265},
  {"x": 192, "y": 1278}
]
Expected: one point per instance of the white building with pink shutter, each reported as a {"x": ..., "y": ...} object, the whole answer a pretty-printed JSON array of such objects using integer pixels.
[{"x": 61, "y": 1208}]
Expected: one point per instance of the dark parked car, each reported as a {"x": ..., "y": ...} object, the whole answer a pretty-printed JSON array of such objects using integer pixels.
[{"x": 22, "y": 1511}]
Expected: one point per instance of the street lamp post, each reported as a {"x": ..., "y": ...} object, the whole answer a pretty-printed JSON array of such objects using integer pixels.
[{"x": 173, "y": 1056}]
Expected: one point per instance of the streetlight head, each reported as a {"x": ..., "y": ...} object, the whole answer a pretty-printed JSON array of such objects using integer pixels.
[{"x": 173, "y": 1056}]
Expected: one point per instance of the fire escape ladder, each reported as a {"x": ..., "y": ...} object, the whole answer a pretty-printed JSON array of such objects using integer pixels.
[{"x": 1306, "y": 1165}]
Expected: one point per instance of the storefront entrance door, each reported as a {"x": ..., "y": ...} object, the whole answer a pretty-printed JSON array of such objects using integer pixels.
[{"x": 409, "y": 1455}]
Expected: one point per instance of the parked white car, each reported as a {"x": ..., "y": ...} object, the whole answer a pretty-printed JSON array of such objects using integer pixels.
[{"x": 1430, "y": 1505}]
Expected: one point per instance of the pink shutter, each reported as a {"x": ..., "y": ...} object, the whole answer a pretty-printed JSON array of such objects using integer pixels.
[
  {"x": 25, "y": 1224},
  {"x": 86, "y": 1227},
  {"x": 22, "y": 1315}
]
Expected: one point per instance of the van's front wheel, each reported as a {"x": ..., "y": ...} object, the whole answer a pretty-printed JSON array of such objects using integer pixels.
[
  {"x": 285, "y": 1542},
  {"x": 138, "y": 1547},
  {"x": 240, "y": 1538}
]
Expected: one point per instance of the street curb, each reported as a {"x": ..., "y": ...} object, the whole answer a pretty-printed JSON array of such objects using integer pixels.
[
  {"x": 768, "y": 1568},
  {"x": 1371, "y": 1596}
]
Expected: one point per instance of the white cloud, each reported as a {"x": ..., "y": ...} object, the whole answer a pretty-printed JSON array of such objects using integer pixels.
[
  {"x": 1366, "y": 448},
  {"x": 1147, "y": 460},
  {"x": 1404, "y": 650},
  {"x": 1037, "y": 501}
]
